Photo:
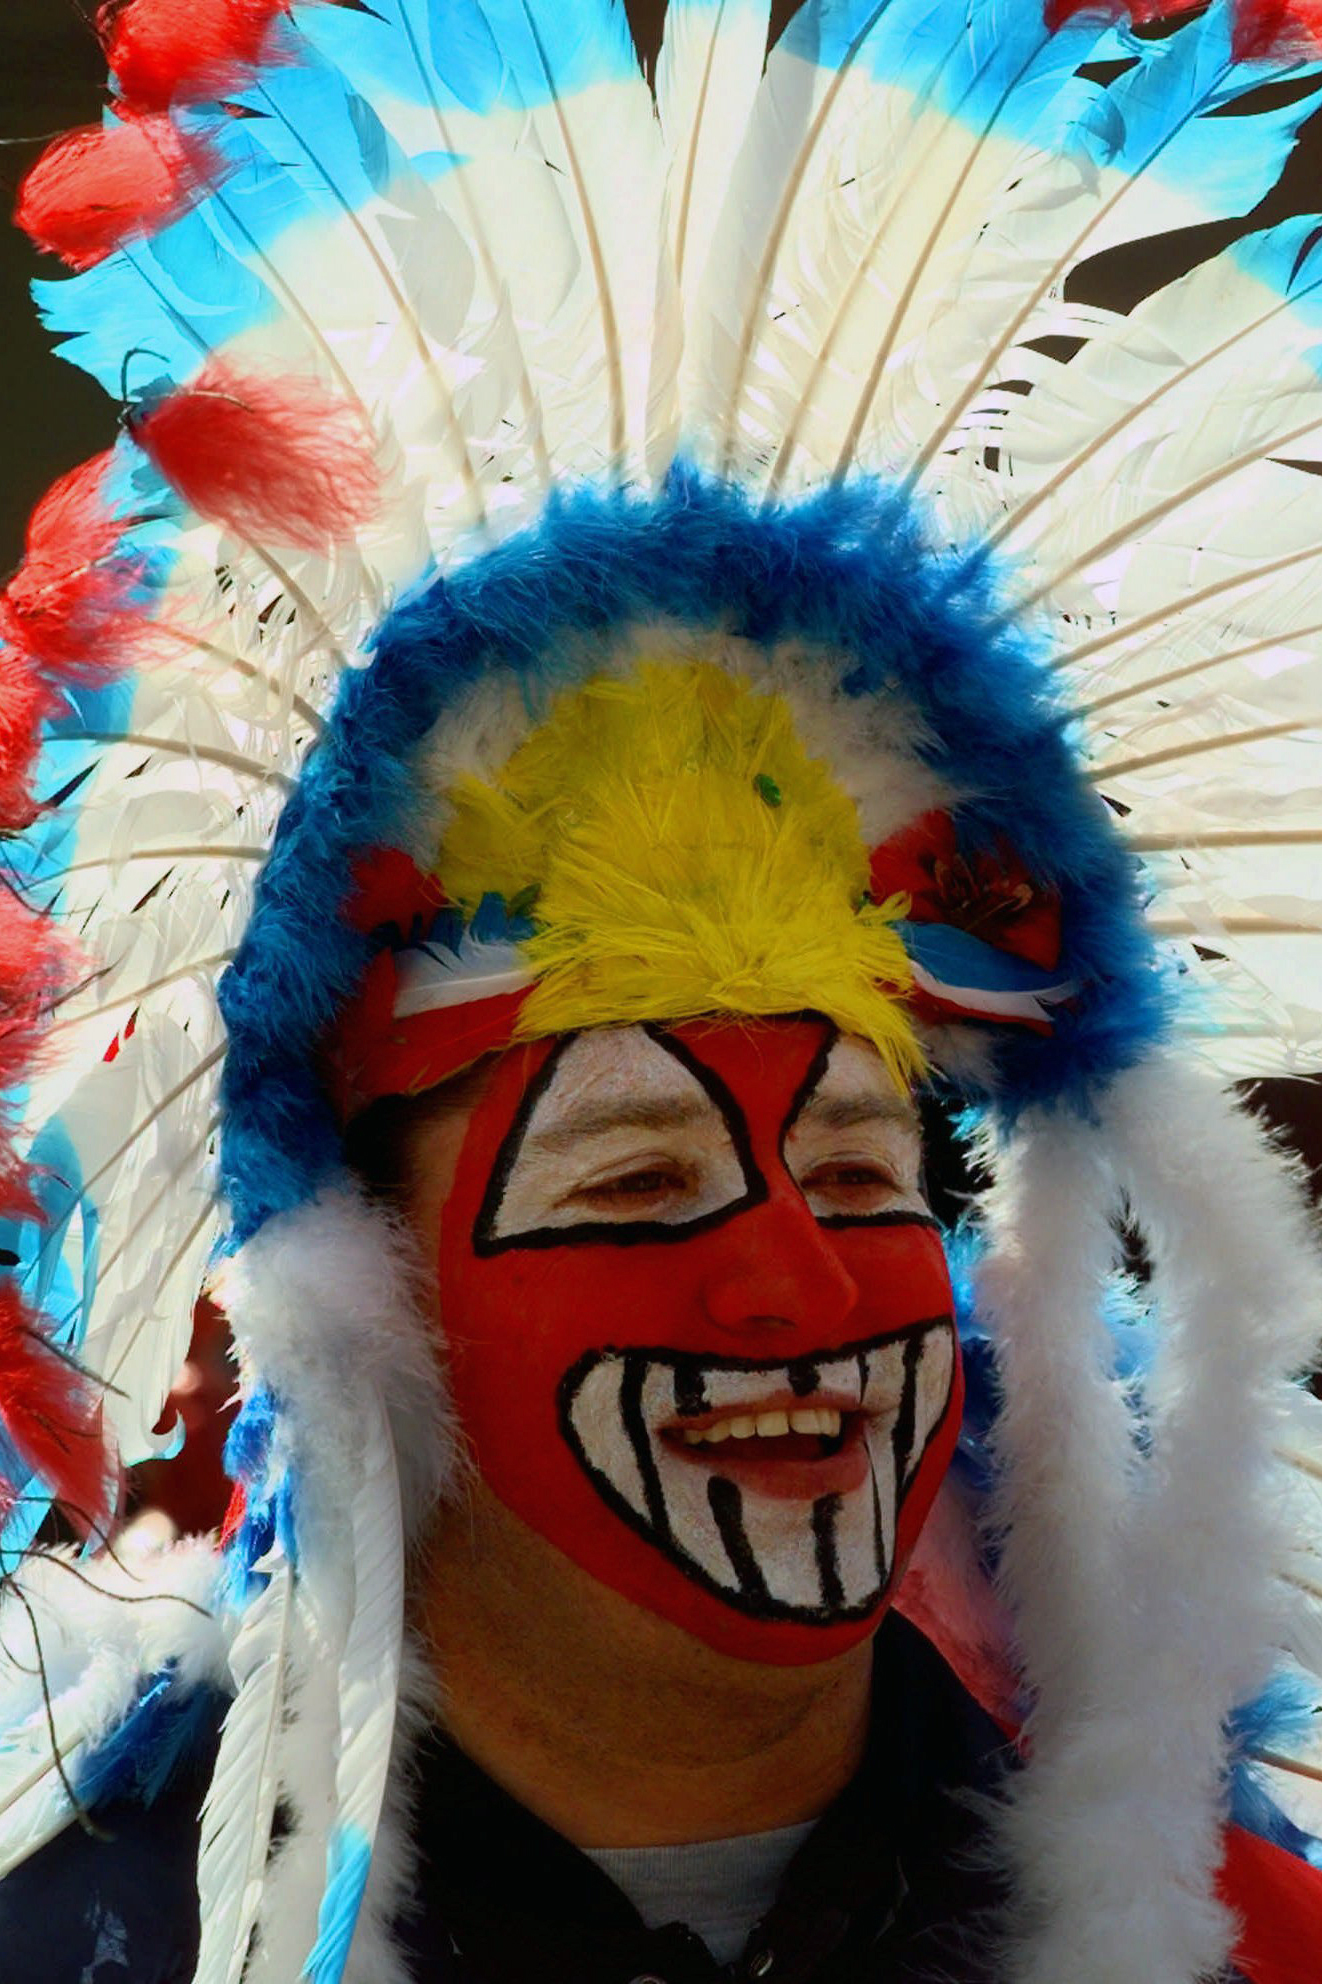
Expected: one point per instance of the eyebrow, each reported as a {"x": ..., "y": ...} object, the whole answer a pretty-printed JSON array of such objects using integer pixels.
[
  {"x": 845, "y": 1112},
  {"x": 630, "y": 1113}
]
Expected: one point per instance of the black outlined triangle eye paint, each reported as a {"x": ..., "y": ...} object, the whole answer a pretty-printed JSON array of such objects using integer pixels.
[
  {"x": 852, "y": 1141},
  {"x": 624, "y": 1137}
]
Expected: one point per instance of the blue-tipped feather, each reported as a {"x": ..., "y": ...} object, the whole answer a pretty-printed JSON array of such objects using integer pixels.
[
  {"x": 1164, "y": 115},
  {"x": 472, "y": 54},
  {"x": 43, "y": 1272},
  {"x": 348, "y": 1860}
]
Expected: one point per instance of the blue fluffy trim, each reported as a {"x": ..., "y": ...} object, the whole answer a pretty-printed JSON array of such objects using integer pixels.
[
  {"x": 165, "y": 1727},
  {"x": 270, "y": 1516},
  {"x": 847, "y": 569}
]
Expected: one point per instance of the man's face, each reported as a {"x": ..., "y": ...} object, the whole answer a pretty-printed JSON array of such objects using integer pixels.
[{"x": 700, "y": 1322}]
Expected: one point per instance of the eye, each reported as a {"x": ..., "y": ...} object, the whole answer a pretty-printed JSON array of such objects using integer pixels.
[
  {"x": 643, "y": 1189},
  {"x": 857, "y": 1185}
]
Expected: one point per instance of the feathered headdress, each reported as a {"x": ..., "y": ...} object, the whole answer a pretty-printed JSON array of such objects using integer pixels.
[{"x": 922, "y": 638}]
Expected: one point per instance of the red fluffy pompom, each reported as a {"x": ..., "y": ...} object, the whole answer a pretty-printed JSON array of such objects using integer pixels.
[
  {"x": 185, "y": 51},
  {"x": 98, "y": 187},
  {"x": 278, "y": 458},
  {"x": 51, "y": 1414},
  {"x": 1277, "y": 28},
  {"x": 26, "y": 700},
  {"x": 71, "y": 605}
]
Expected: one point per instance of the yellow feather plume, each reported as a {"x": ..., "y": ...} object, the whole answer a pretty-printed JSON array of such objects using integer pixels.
[{"x": 685, "y": 856}]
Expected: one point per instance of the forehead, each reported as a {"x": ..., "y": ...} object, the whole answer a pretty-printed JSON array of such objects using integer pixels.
[{"x": 612, "y": 1079}]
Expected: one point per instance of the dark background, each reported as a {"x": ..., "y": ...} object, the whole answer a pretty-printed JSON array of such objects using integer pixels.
[{"x": 52, "y": 75}]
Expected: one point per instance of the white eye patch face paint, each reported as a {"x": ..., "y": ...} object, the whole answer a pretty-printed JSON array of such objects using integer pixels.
[
  {"x": 627, "y": 1131},
  {"x": 854, "y": 1147}
]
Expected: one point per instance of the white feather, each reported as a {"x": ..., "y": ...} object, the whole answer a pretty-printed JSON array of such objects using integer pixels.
[
  {"x": 369, "y": 1670},
  {"x": 706, "y": 81},
  {"x": 240, "y": 1806},
  {"x": 296, "y": 1876}
]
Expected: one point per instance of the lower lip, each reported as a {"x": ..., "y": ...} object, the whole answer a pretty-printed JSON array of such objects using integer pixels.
[{"x": 839, "y": 1473}]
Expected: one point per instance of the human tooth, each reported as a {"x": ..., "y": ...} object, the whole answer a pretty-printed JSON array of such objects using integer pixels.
[
  {"x": 771, "y": 1425},
  {"x": 692, "y": 1439},
  {"x": 805, "y": 1420},
  {"x": 828, "y": 1422},
  {"x": 743, "y": 1428},
  {"x": 721, "y": 1431}
]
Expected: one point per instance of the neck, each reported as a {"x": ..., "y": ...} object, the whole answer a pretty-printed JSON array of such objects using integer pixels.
[{"x": 614, "y": 1726}]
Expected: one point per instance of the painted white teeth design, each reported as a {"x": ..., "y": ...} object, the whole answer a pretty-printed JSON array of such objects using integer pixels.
[
  {"x": 817, "y": 1560},
  {"x": 840, "y": 1377}
]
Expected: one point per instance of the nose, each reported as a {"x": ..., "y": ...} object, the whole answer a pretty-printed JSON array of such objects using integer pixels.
[{"x": 779, "y": 1273}]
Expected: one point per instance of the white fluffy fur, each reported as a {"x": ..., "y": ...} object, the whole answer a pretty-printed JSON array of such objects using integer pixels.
[
  {"x": 1145, "y": 1587},
  {"x": 1063, "y": 1431},
  {"x": 95, "y": 1648},
  {"x": 329, "y": 1298}
]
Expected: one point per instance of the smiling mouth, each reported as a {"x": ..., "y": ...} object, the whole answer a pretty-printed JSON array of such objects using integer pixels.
[{"x": 777, "y": 1486}]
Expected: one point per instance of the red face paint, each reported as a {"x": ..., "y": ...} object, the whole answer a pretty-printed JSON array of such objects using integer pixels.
[{"x": 660, "y": 1240}]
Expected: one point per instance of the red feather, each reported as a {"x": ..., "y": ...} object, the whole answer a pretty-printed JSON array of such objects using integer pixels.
[
  {"x": 278, "y": 458},
  {"x": 51, "y": 1414},
  {"x": 185, "y": 51},
  {"x": 70, "y": 605},
  {"x": 100, "y": 186},
  {"x": 25, "y": 702},
  {"x": 1263, "y": 28},
  {"x": 35, "y": 963},
  {"x": 1277, "y": 28}
]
